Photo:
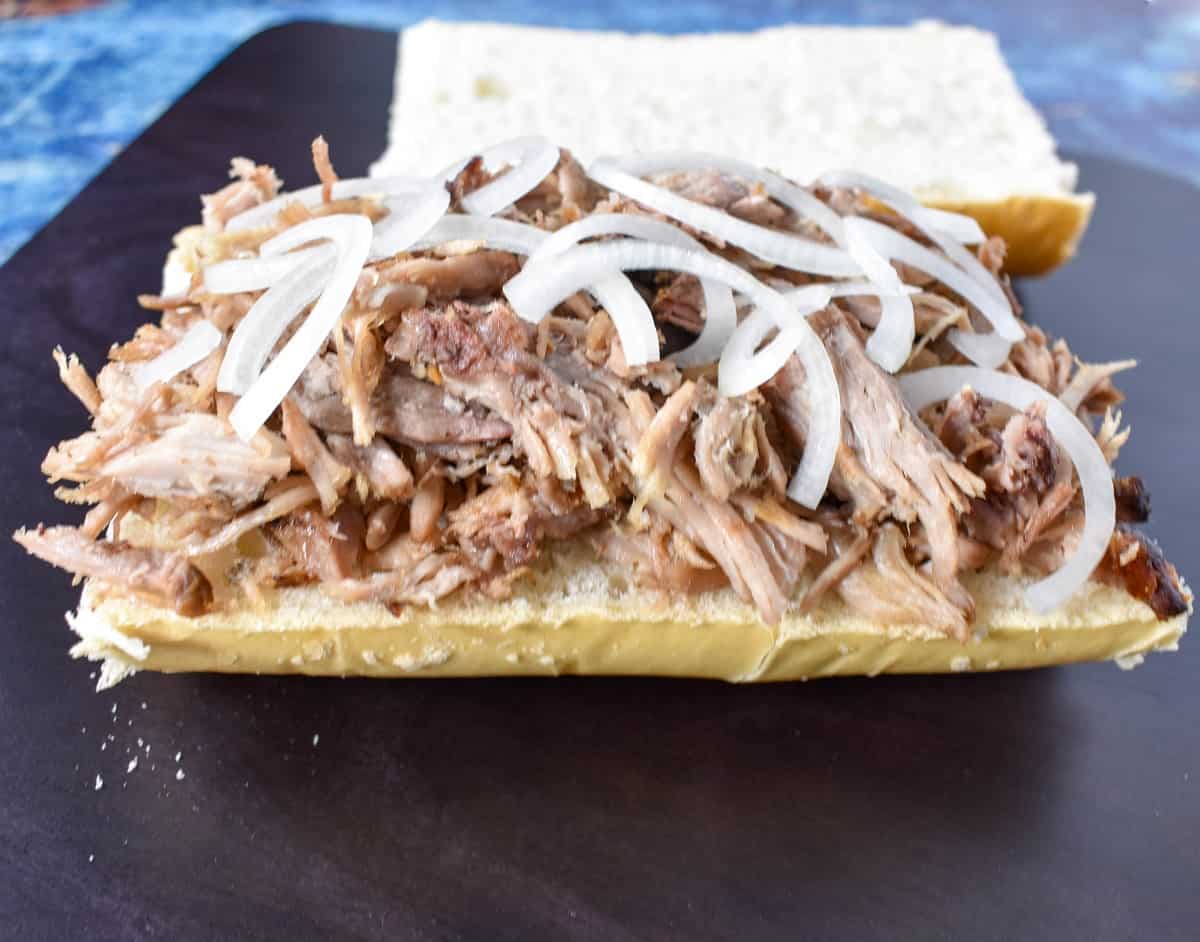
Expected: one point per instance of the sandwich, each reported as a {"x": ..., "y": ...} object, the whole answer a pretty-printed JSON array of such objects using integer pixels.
[{"x": 670, "y": 414}]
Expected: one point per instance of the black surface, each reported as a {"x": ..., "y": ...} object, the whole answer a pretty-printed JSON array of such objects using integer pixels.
[{"x": 1057, "y": 804}]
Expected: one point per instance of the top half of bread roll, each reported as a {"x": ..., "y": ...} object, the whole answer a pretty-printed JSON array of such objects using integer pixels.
[{"x": 930, "y": 107}]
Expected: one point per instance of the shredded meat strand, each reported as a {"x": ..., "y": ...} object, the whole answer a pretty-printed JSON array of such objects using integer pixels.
[
  {"x": 164, "y": 578},
  {"x": 324, "y": 168}
]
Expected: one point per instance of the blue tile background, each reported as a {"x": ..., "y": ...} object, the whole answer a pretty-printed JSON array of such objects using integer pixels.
[{"x": 1120, "y": 77}]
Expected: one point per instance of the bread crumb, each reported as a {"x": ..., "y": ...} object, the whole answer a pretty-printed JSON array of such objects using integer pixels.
[
  {"x": 432, "y": 656},
  {"x": 960, "y": 664},
  {"x": 179, "y": 776},
  {"x": 369, "y": 657},
  {"x": 132, "y": 765},
  {"x": 316, "y": 650},
  {"x": 99, "y": 782},
  {"x": 91, "y": 857},
  {"x": 178, "y": 755},
  {"x": 316, "y": 739},
  {"x": 992, "y": 664},
  {"x": 512, "y": 658}
]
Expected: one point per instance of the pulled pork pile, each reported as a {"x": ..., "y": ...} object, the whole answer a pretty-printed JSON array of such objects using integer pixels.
[{"x": 440, "y": 444}]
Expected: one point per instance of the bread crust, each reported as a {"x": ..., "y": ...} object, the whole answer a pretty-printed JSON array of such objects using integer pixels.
[
  {"x": 578, "y": 616},
  {"x": 1042, "y": 231}
]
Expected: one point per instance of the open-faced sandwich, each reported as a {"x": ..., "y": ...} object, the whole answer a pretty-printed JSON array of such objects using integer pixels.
[{"x": 673, "y": 414}]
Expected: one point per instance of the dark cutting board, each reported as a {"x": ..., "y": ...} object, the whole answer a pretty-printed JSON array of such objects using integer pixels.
[{"x": 1056, "y": 804}]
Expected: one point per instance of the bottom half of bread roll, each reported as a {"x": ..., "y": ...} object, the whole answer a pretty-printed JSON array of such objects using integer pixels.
[{"x": 575, "y": 615}]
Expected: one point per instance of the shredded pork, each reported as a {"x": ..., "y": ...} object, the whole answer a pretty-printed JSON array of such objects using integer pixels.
[{"x": 439, "y": 444}]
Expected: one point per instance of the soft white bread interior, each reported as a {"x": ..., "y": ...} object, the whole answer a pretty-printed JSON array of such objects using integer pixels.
[
  {"x": 932, "y": 108},
  {"x": 575, "y": 615}
]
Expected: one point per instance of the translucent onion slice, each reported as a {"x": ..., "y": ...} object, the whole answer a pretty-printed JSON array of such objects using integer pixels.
[
  {"x": 986, "y": 350},
  {"x": 966, "y": 260},
  {"x": 197, "y": 342},
  {"x": 949, "y": 231},
  {"x": 745, "y": 367},
  {"x": 845, "y": 289},
  {"x": 176, "y": 280},
  {"x": 720, "y": 312},
  {"x": 631, "y": 317},
  {"x": 257, "y": 333},
  {"x": 408, "y": 220},
  {"x": 794, "y": 197},
  {"x": 351, "y": 235},
  {"x": 543, "y": 284},
  {"x": 264, "y": 213},
  {"x": 530, "y": 160},
  {"x": 255, "y": 274},
  {"x": 503, "y": 234},
  {"x": 899, "y": 247},
  {"x": 789, "y": 251},
  {"x": 892, "y": 340},
  {"x": 957, "y": 226},
  {"x": 925, "y": 387}
]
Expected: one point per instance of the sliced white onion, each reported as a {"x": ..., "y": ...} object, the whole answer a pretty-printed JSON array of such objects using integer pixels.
[
  {"x": 743, "y": 365},
  {"x": 452, "y": 170},
  {"x": 255, "y": 274},
  {"x": 631, "y": 316},
  {"x": 986, "y": 350},
  {"x": 264, "y": 213},
  {"x": 794, "y": 197},
  {"x": 892, "y": 340},
  {"x": 925, "y": 387},
  {"x": 966, "y": 260},
  {"x": 957, "y": 226},
  {"x": 257, "y": 333},
  {"x": 789, "y": 251},
  {"x": 544, "y": 283},
  {"x": 176, "y": 280},
  {"x": 744, "y": 369},
  {"x": 197, "y": 342},
  {"x": 845, "y": 289},
  {"x": 720, "y": 312},
  {"x": 529, "y": 159},
  {"x": 351, "y": 235},
  {"x": 949, "y": 231},
  {"x": 503, "y": 234},
  {"x": 899, "y": 247},
  {"x": 408, "y": 220}
]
